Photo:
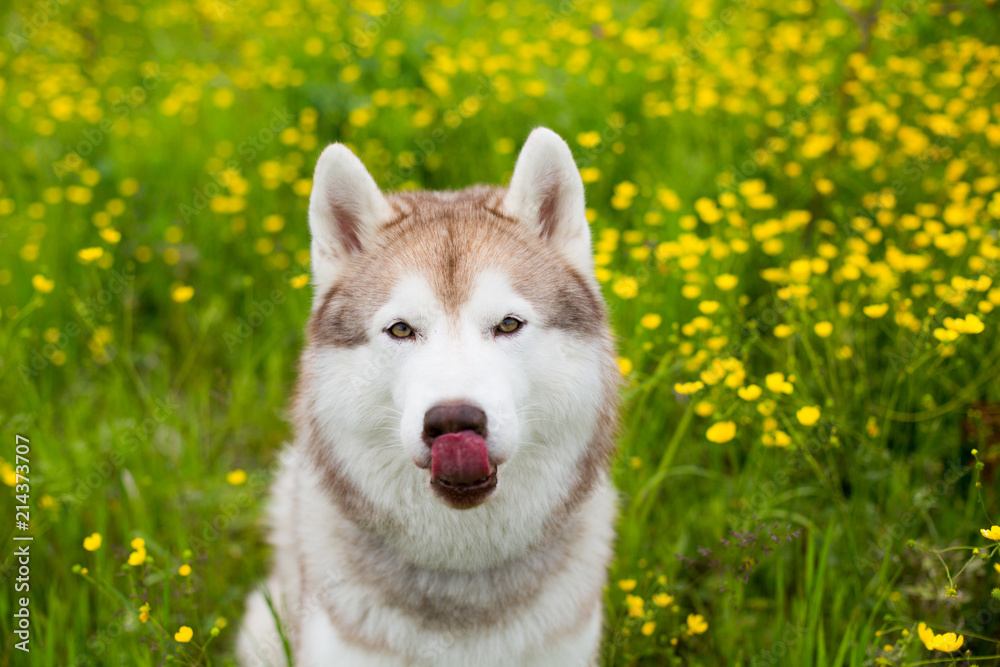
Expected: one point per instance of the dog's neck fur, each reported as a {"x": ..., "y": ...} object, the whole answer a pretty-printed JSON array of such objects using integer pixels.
[{"x": 440, "y": 599}]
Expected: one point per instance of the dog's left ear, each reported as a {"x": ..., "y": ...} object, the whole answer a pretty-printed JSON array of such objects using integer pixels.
[{"x": 546, "y": 193}]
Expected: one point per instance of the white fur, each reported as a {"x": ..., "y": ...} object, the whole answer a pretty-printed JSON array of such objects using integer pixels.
[{"x": 541, "y": 390}]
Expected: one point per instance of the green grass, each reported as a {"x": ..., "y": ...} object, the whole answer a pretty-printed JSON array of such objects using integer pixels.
[{"x": 142, "y": 405}]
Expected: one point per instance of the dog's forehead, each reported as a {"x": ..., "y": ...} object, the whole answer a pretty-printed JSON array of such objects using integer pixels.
[{"x": 453, "y": 240}]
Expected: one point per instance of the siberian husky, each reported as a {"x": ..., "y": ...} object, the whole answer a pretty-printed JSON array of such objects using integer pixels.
[{"x": 446, "y": 501}]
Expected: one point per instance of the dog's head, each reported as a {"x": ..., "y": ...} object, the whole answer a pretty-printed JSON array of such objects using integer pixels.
[{"x": 458, "y": 345}]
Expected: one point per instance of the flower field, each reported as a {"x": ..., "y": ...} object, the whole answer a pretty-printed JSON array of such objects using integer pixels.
[{"x": 795, "y": 209}]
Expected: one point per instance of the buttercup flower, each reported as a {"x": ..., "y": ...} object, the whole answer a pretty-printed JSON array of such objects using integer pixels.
[
  {"x": 137, "y": 557},
  {"x": 182, "y": 293},
  {"x": 650, "y": 321},
  {"x": 776, "y": 382},
  {"x": 663, "y": 600},
  {"x": 236, "y": 477},
  {"x": 688, "y": 388},
  {"x": 992, "y": 534},
  {"x": 721, "y": 432},
  {"x": 635, "y": 605},
  {"x": 696, "y": 624},
  {"x": 947, "y": 642},
  {"x": 93, "y": 542},
  {"x": 808, "y": 415},
  {"x": 42, "y": 284},
  {"x": 184, "y": 634},
  {"x": 877, "y": 310}
]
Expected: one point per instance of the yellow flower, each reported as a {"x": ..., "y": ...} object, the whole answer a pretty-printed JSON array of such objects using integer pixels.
[
  {"x": 236, "y": 477},
  {"x": 877, "y": 310},
  {"x": 721, "y": 432},
  {"x": 663, "y": 600},
  {"x": 648, "y": 628},
  {"x": 696, "y": 624},
  {"x": 137, "y": 557},
  {"x": 808, "y": 415},
  {"x": 300, "y": 281},
  {"x": 971, "y": 324},
  {"x": 991, "y": 534},
  {"x": 624, "y": 365},
  {"x": 588, "y": 139},
  {"x": 92, "y": 543},
  {"x": 111, "y": 235},
  {"x": 42, "y": 284},
  {"x": 182, "y": 293},
  {"x": 650, "y": 321},
  {"x": 90, "y": 254},
  {"x": 708, "y": 307},
  {"x": 776, "y": 382},
  {"x": 144, "y": 613},
  {"x": 626, "y": 287},
  {"x": 184, "y": 634},
  {"x": 9, "y": 476},
  {"x": 704, "y": 408},
  {"x": 783, "y": 331},
  {"x": 945, "y": 335},
  {"x": 751, "y": 392},
  {"x": 635, "y": 605},
  {"x": 688, "y": 388},
  {"x": 947, "y": 642},
  {"x": 627, "y": 585},
  {"x": 184, "y": 570},
  {"x": 823, "y": 329},
  {"x": 273, "y": 223},
  {"x": 726, "y": 281}
]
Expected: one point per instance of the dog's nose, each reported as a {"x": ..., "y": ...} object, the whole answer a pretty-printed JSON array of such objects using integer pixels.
[{"x": 452, "y": 418}]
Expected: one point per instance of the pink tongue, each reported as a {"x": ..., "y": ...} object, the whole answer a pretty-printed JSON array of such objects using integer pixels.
[{"x": 459, "y": 458}]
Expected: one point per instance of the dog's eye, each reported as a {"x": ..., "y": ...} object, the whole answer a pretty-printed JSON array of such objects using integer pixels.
[
  {"x": 401, "y": 330},
  {"x": 509, "y": 325}
]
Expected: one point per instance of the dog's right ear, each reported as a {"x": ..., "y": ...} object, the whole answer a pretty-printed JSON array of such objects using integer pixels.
[{"x": 345, "y": 209}]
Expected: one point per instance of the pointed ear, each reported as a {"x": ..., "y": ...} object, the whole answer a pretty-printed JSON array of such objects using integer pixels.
[
  {"x": 546, "y": 194},
  {"x": 345, "y": 210}
]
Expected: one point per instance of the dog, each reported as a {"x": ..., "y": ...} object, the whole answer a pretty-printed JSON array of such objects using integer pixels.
[{"x": 447, "y": 498}]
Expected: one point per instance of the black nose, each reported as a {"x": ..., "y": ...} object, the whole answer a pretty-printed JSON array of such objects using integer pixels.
[{"x": 452, "y": 418}]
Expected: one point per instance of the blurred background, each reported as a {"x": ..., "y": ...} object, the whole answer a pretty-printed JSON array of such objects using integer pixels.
[{"x": 795, "y": 210}]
